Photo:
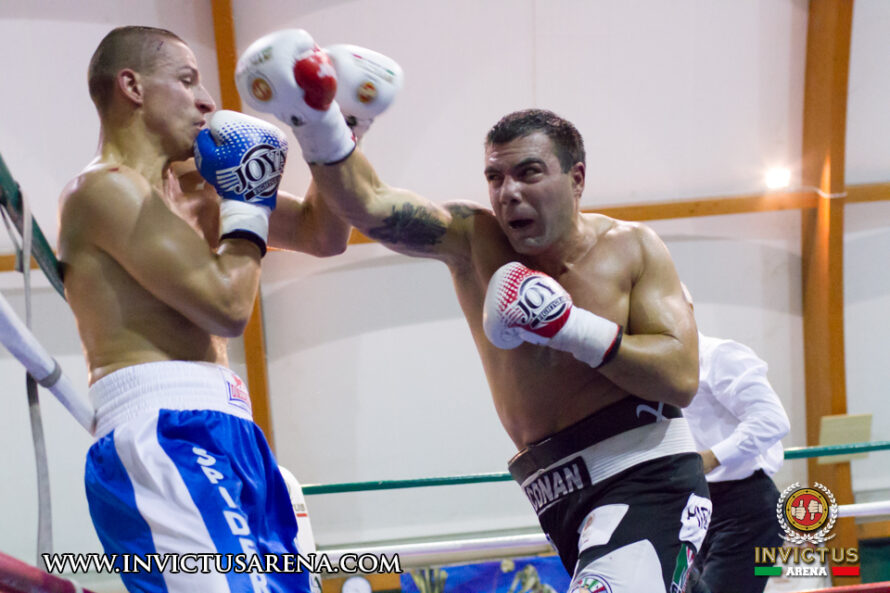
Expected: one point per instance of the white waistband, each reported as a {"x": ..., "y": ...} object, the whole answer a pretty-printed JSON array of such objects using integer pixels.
[
  {"x": 627, "y": 449},
  {"x": 170, "y": 385}
]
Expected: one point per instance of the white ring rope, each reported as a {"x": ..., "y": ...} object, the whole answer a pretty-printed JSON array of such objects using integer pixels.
[
  {"x": 444, "y": 551},
  {"x": 22, "y": 344},
  {"x": 864, "y": 509}
]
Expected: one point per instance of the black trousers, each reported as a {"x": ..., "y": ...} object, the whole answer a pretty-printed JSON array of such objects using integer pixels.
[{"x": 744, "y": 517}]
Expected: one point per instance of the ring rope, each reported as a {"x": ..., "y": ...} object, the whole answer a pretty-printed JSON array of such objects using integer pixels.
[
  {"x": 827, "y": 450},
  {"x": 22, "y": 344},
  {"x": 882, "y": 587},
  {"x": 14, "y": 334},
  {"x": 19, "y": 577},
  {"x": 476, "y": 546},
  {"x": 791, "y": 453}
]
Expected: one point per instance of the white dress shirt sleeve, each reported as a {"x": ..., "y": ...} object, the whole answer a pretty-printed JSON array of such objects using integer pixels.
[{"x": 738, "y": 382}]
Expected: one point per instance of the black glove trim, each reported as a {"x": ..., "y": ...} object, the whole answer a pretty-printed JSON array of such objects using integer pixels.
[{"x": 252, "y": 237}]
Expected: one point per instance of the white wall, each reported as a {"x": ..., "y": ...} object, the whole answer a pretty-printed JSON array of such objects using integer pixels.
[
  {"x": 49, "y": 130},
  {"x": 372, "y": 370},
  {"x": 867, "y": 239}
]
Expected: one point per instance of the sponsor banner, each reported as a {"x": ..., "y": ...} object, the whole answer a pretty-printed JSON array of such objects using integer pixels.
[{"x": 520, "y": 575}]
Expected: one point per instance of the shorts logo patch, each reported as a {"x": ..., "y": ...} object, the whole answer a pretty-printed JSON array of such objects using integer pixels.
[
  {"x": 556, "y": 483},
  {"x": 590, "y": 584},
  {"x": 600, "y": 524},
  {"x": 695, "y": 520},
  {"x": 681, "y": 569},
  {"x": 237, "y": 391}
]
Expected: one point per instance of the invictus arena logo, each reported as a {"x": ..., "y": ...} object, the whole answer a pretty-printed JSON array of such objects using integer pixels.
[{"x": 807, "y": 514}]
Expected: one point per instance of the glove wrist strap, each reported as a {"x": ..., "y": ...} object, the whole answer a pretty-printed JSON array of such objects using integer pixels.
[
  {"x": 243, "y": 220},
  {"x": 327, "y": 140},
  {"x": 588, "y": 337}
]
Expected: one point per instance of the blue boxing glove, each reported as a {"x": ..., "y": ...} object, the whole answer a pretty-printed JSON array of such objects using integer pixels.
[{"x": 243, "y": 158}]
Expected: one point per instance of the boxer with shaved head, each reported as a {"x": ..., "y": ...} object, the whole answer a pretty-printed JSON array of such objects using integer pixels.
[{"x": 160, "y": 267}]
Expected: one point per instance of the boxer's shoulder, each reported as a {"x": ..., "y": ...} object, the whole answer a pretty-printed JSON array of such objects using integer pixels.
[{"x": 100, "y": 181}]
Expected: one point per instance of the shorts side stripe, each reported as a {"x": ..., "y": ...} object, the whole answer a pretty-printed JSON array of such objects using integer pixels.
[{"x": 191, "y": 534}]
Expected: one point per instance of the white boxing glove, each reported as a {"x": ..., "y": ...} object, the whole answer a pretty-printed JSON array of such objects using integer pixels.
[
  {"x": 367, "y": 83},
  {"x": 524, "y": 305},
  {"x": 286, "y": 74}
]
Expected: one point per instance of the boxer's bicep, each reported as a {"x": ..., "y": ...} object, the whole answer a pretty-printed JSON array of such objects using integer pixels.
[{"x": 126, "y": 219}]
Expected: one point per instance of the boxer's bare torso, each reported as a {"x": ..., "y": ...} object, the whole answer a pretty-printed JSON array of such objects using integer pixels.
[{"x": 620, "y": 271}]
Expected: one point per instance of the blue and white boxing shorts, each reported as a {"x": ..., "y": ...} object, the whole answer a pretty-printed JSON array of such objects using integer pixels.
[
  {"x": 622, "y": 497},
  {"x": 180, "y": 470}
]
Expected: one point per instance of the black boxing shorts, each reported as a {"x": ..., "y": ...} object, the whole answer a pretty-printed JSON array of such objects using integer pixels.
[{"x": 622, "y": 497}]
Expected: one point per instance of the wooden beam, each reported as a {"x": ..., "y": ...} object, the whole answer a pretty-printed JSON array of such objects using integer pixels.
[
  {"x": 868, "y": 192},
  {"x": 378, "y": 581},
  {"x": 719, "y": 205},
  {"x": 770, "y": 202},
  {"x": 873, "y": 530},
  {"x": 226, "y": 54},
  {"x": 824, "y": 135},
  {"x": 7, "y": 263},
  {"x": 254, "y": 340},
  {"x": 714, "y": 206}
]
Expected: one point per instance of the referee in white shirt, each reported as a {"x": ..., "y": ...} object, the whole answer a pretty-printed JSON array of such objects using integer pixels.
[{"x": 737, "y": 420}]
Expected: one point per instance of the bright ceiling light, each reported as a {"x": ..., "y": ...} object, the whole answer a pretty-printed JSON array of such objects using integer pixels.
[{"x": 778, "y": 177}]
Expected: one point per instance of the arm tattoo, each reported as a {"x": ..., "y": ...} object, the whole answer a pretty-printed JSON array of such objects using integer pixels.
[
  {"x": 411, "y": 226},
  {"x": 458, "y": 210}
]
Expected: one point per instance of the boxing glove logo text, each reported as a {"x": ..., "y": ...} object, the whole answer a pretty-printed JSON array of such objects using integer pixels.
[
  {"x": 540, "y": 303},
  {"x": 257, "y": 175}
]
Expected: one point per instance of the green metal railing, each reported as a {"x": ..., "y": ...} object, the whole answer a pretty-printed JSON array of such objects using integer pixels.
[
  {"x": 791, "y": 453},
  {"x": 11, "y": 201}
]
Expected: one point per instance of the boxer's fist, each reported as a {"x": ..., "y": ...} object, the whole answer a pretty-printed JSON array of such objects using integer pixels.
[
  {"x": 523, "y": 305},
  {"x": 367, "y": 83},
  {"x": 243, "y": 158},
  {"x": 286, "y": 74}
]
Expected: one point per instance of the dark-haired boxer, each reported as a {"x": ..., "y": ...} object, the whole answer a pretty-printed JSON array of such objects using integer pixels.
[{"x": 588, "y": 345}]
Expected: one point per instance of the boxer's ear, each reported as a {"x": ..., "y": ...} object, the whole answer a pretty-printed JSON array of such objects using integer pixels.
[{"x": 129, "y": 83}]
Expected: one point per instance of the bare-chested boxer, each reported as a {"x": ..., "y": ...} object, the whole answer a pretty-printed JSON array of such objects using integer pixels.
[
  {"x": 587, "y": 342},
  {"x": 159, "y": 272}
]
